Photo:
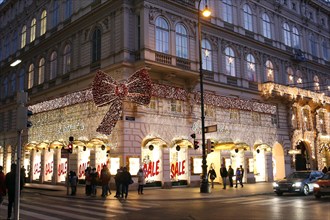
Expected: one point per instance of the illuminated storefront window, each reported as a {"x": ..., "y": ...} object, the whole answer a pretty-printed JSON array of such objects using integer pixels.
[
  {"x": 36, "y": 169},
  {"x": 152, "y": 163},
  {"x": 197, "y": 165},
  {"x": 62, "y": 168},
  {"x": 83, "y": 161},
  {"x": 114, "y": 165},
  {"x": 8, "y": 159},
  {"x": 134, "y": 165},
  {"x": 179, "y": 163},
  {"x": 49, "y": 165},
  {"x": 1, "y": 156}
]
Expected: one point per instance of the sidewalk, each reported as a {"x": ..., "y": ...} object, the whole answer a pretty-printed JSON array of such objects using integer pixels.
[{"x": 181, "y": 193}]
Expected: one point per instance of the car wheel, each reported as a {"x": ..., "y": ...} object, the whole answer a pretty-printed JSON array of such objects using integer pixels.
[
  {"x": 317, "y": 196},
  {"x": 305, "y": 190},
  {"x": 279, "y": 193}
]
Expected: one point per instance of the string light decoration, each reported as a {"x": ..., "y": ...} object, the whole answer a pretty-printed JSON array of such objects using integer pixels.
[{"x": 106, "y": 91}]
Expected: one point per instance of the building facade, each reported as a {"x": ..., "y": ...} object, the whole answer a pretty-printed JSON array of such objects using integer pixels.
[{"x": 265, "y": 67}]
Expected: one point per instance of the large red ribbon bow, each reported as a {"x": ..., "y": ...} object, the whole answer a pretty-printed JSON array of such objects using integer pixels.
[{"x": 105, "y": 90}]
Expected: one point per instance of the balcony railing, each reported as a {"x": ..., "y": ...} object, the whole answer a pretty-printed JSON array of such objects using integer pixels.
[
  {"x": 183, "y": 63},
  {"x": 163, "y": 58}
]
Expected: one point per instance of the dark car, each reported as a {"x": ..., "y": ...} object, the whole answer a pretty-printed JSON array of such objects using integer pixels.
[
  {"x": 297, "y": 182},
  {"x": 322, "y": 186}
]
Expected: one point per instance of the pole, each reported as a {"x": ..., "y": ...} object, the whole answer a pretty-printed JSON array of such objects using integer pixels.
[
  {"x": 67, "y": 175},
  {"x": 18, "y": 175},
  {"x": 205, "y": 187}
]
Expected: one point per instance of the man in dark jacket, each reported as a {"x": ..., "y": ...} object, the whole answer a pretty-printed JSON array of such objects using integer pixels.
[
  {"x": 126, "y": 180},
  {"x": 10, "y": 185},
  {"x": 223, "y": 174}
]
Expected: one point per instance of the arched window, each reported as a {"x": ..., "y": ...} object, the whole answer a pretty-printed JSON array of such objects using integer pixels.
[
  {"x": 230, "y": 62},
  {"x": 290, "y": 75},
  {"x": 68, "y": 9},
  {"x": 206, "y": 55},
  {"x": 31, "y": 76},
  {"x": 23, "y": 36},
  {"x": 13, "y": 83},
  {"x": 250, "y": 68},
  {"x": 33, "y": 29},
  {"x": 313, "y": 44},
  {"x": 295, "y": 38},
  {"x": 316, "y": 84},
  {"x": 227, "y": 11},
  {"x": 21, "y": 80},
  {"x": 287, "y": 34},
  {"x": 266, "y": 31},
  {"x": 66, "y": 59},
  {"x": 43, "y": 22},
  {"x": 181, "y": 39},
  {"x": 41, "y": 71},
  {"x": 96, "y": 45},
  {"x": 247, "y": 17},
  {"x": 269, "y": 71},
  {"x": 53, "y": 65},
  {"x": 325, "y": 50},
  {"x": 162, "y": 35},
  {"x": 56, "y": 14}
]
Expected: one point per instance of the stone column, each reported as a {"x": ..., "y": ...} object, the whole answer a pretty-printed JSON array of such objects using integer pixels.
[
  {"x": 269, "y": 166},
  {"x": 166, "y": 168}
]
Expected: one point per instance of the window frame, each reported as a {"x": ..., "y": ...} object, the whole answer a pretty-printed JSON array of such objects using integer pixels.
[{"x": 162, "y": 35}]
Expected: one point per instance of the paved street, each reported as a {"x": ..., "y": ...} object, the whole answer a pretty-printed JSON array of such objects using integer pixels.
[{"x": 254, "y": 201}]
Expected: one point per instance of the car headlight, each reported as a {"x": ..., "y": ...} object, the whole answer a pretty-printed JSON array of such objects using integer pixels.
[
  {"x": 297, "y": 184},
  {"x": 275, "y": 184},
  {"x": 315, "y": 185}
]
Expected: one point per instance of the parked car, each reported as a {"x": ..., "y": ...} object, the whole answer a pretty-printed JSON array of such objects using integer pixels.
[
  {"x": 322, "y": 186},
  {"x": 297, "y": 182}
]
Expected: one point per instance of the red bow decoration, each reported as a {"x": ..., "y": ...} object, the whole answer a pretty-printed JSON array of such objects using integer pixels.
[{"x": 105, "y": 90}]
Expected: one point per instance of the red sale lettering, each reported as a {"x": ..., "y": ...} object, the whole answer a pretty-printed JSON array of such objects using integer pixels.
[
  {"x": 178, "y": 169},
  {"x": 151, "y": 169},
  {"x": 37, "y": 168},
  {"x": 49, "y": 168},
  {"x": 62, "y": 169},
  {"x": 82, "y": 168}
]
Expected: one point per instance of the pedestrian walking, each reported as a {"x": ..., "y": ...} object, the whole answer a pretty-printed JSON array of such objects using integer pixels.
[
  {"x": 230, "y": 176},
  {"x": 73, "y": 180},
  {"x": 242, "y": 173},
  {"x": 2, "y": 185},
  {"x": 238, "y": 177},
  {"x": 212, "y": 174},
  {"x": 223, "y": 174},
  {"x": 118, "y": 182},
  {"x": 126, "y": 181},
  {"x": 141, "y": 180},
  {"x": 105, "y": 179},
  {"x": 94, "y": 180},
  {"x": 10, "y": 182},
  {"x": 88, "y": 187}
]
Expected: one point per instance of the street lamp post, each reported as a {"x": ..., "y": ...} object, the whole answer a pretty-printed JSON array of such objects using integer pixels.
[{"x": 205, "y": 187}]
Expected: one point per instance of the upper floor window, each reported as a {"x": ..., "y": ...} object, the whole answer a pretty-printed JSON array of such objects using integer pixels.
[
  {"x": 33, "y": 29},
  {"x": 313, "y": 44},
  {"x": 56, "y": 14},
  {"x": 23, "y": 36},
  {"x": 68, "y": 9},
  {"x": 43, "y": 22},
  {"x": 316, "y": 84},
  {"x": 209, "y": 111},
  {"x": 230, "y": 62},
  {"x": 290, "y": 75},
  {"x": 251, "y": 68},
  {"x": 306, "y": 120},
  {"x": 269, "y": 71},
  {"x": 322, "y": 122},
  {"x": 325, "y": 50},
  {"x": 15, "y": 42},
  {"x": 181, "y": 38},
  {"x": 13, "y": 83},
  {"x": 247, "y": 17},
  {"x": 299, "y": 79},
  {"x": 21, "y": 80},
  {"x": 96, "y": 47},
  {"x": 5, "y": 88},
  {"x": 227, "y": 11},
  {"x": 295, "y": 38},
  {"x": 266, "y": 31},
  {"x": 66, "y": 59},
  {"x": 162, "y": 35},
  {"x": 31, "y": 76},
  {"x": 287, "y": 34},
  {"x": 176, "y": 106},
  {"x": 53, "y": 65},
  {"x": 41, "y": 72},
  {"x": 206, "y": 55}
]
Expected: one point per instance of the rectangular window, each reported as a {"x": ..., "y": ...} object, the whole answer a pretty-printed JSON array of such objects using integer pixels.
[{"x": 256, "y": 118}]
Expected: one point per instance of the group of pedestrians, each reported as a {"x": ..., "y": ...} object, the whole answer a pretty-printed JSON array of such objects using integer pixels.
[
  {"x": 93, "y": 178},
  {"x": 224, "y": 173},
  {"x": 7, "y": 187},
  {"x": 123, "y": 179}
]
